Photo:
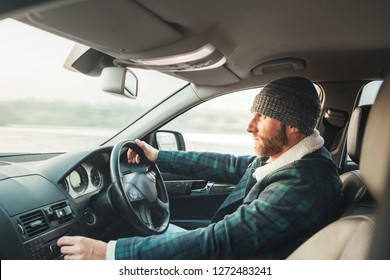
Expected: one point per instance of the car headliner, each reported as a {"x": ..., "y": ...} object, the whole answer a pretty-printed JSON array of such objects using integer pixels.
[{"x": 334, "y": 40}]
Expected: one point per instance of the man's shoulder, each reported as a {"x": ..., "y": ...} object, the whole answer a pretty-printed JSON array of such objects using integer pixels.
[
  {"x": 321, "y": 153},
  {"x": 320, "y": 157},
  {"x": 317, "y": 162}
]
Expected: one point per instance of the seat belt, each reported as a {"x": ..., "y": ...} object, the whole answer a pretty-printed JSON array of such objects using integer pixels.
[{"x": 334, "y": 121}]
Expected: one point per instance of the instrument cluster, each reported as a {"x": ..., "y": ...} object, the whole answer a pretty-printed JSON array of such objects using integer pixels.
[{"x": 84, "y": 179}]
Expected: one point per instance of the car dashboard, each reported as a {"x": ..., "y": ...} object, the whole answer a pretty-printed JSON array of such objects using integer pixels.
[{"x": 41, "y": 201}]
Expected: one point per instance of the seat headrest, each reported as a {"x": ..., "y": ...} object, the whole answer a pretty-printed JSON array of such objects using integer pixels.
[
  {"x": 375, "y": 154},
  {"x": 356, "y": 130}
]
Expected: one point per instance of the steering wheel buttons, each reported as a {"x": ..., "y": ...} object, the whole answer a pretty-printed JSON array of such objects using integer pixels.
[{"x": 134, "y": 194}]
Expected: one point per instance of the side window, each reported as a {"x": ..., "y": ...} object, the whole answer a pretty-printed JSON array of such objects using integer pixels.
[
  {"x": 369, "y": 93},
  {"x": 218, "y": 125}
]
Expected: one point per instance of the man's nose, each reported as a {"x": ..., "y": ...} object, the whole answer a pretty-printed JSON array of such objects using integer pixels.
[{"x": 251, "y": 128}]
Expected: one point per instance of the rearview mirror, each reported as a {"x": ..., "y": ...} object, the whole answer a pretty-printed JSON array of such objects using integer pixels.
[{"x": 119, "y": 80}]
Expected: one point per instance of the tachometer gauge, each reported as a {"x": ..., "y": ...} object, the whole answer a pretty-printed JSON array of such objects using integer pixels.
[
  {"x": 78, "y": 179},
  {"x": 96, "y": 178}
]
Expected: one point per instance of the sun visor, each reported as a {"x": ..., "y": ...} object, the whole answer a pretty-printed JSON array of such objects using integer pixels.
[
  {"x": 88, "y": 61},
  {"x": 133, "y": 28}
]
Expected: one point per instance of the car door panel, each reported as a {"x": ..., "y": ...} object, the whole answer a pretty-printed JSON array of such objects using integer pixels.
[{"x": 193, "y": 203}]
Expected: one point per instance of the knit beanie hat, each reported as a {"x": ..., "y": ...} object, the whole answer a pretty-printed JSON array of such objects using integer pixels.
[{"x": 292, "y": 101}]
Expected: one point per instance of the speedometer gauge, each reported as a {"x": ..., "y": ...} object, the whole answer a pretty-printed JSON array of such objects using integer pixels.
[{"x": 78, "y": 179}]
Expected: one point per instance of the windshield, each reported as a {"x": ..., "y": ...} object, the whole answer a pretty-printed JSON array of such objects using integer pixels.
[{"x": 46, "y": 108}]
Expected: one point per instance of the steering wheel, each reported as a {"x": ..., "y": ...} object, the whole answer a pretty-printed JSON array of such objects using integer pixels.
[{"x": 139, "y": 190}]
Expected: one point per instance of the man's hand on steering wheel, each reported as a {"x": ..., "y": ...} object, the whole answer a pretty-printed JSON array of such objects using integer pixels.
[{"x": 150, "y": 152}]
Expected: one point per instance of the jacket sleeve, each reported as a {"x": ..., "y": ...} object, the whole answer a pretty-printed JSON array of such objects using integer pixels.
[{"x": 205, "y": 166}]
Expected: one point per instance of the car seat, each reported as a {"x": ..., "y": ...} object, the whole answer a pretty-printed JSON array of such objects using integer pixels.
[
  {"x": 354, "y": 189},
  {"x": 375, "y": 168}
]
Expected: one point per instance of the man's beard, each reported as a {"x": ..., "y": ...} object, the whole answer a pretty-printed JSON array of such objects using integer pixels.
[{"x": 272, "y": 144}]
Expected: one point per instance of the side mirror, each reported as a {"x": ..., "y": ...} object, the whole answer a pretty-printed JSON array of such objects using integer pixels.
[
  {"x": 119, "y": 80},
  {"x": 167, "y": 140}
]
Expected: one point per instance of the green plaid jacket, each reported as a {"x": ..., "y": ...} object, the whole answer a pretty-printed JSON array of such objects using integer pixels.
[{"x": 259, "y": 220}]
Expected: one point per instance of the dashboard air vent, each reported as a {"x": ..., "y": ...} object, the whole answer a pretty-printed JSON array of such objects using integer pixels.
[{"x": 34, "y": 223}]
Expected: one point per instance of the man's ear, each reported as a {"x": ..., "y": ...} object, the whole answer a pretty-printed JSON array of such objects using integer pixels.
[
  {"x": 291, "y": 129},
  {"x": 294, "y": 133}
]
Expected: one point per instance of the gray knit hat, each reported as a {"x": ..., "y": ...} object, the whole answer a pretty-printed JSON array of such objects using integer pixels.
[{"x": 292, "y": 101}]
